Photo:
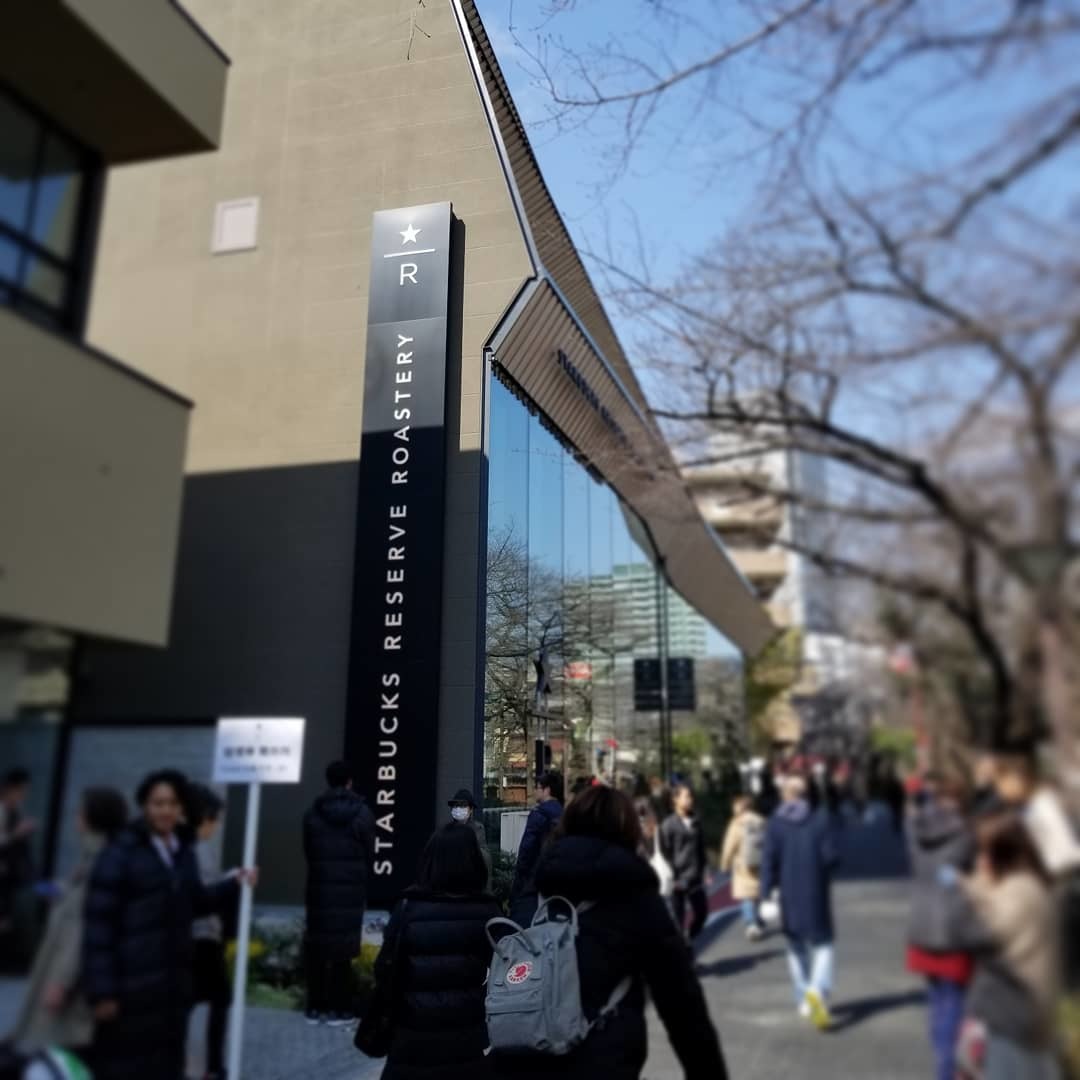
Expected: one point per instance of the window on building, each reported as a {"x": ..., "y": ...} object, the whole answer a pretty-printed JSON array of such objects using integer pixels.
[{"x": 45, "y": 183}]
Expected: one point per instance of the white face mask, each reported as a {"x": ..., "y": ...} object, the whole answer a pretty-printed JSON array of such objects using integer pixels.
[{"x": 460, "y": 813}]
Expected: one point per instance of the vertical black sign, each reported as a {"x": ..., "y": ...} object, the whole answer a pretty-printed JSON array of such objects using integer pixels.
[
  {"x": 391, "y": 731},
  {"x": 682, "y": 687},
  {"x": 648, "y": 686}
]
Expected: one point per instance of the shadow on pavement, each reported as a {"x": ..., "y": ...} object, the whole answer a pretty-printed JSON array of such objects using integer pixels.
[
  {"x": 736, "y": 965},
  {"x": 848, "y": 1016}
]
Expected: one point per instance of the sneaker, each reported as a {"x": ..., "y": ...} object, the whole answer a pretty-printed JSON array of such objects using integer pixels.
[
  {"x": 755, "y": 933},
  {"x": 820, "y": 1016},
  {"x": 314, "y": 1018},
  {"x": 804, "y": 1011},
  {"x": 338, "y": 1020}
]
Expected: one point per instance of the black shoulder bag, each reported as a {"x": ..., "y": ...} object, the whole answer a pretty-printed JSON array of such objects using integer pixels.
[{"x": 375, "y": 1033}]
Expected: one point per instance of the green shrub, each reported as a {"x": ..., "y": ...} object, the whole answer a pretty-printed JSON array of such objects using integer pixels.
[{"x": 503, "y": 864}]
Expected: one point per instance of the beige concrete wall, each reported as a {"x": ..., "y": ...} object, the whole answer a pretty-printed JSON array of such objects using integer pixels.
[
  {"x": 334, "y": 110},
  {"x": 90, "y": 484},
  {"x": 154, "y": 38}
]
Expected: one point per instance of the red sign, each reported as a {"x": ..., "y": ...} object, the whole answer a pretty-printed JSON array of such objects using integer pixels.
[{"x": 578, "y": 671}]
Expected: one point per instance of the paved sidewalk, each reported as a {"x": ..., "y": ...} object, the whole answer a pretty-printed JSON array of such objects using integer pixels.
[
  {"x": 880, "y": 1010},
  {"x": 882, "y": 1018}
]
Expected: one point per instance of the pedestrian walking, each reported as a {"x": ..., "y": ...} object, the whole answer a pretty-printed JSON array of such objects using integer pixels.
[
  {"x": 1009, "y": 1027},
  {"x": 940, "y": 837},
  {"x": 682, "y": 842},
  {"x": 800, "y": 855},
  {"x": 625, "y": 936},
  {"x": 339, "y": 839},
  {"x": 211, "y": 977},
  {"x": 144, "y": 895},
  {"x": 650, "y": 848},
  {"x": 17, "y": 907},
  {"x": 54, "y": 1011},
  {"x": 428, "y": 1008},
  {"x": 742, "y": 856},
  {"x": 541, "y": 822},
  {"x": 463, "y": 811}
]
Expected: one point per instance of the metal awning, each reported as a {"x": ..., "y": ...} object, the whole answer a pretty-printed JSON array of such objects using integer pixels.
[{"x": 558, "y": 345}]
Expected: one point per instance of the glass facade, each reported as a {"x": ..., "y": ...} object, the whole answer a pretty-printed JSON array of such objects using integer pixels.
[
  {"x": 45, "y": 180},
  {"x": 573, "y": 600}
]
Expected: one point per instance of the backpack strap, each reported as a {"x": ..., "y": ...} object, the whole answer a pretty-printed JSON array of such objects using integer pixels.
[
  {"x": 542, "y": 916},
  {"x": 618, "y": 995},
  {"x": 519, "y": 931}
]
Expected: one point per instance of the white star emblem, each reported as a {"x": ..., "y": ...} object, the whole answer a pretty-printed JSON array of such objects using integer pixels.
[{"x": 408, "y": 236}]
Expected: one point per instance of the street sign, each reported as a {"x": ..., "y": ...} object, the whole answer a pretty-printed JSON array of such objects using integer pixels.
[
  {"x": 648, "y": 686},
  {"x": 682, "y": 690},
  {"x": 253, "y": 750},
  {"x": 258, "y": 750}
]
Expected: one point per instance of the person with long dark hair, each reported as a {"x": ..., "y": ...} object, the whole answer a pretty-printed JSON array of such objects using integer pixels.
[
  {"x": 625, "y": 934},
  {"x": 55, "y": 1011},
  {"x": 431, "y": 970},
  {"x": 144, "y": 895}
]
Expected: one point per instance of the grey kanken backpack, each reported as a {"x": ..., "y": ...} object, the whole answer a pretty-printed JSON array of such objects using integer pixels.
[{"x": 533, "y": 990}]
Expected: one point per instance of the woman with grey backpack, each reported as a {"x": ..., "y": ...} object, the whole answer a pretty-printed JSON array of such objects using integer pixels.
[{"x": 625, "y": 944}]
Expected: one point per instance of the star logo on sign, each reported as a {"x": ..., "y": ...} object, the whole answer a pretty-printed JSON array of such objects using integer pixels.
[{"x": 409, "y": 235}]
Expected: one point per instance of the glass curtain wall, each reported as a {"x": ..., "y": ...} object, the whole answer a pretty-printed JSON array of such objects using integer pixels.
[{"x": 572, "y": 600}]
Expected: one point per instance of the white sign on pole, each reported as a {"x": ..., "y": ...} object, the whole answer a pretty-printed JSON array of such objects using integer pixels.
[
  {"x": 258, "y": 750},
  {"x": 254, "y": 751}
]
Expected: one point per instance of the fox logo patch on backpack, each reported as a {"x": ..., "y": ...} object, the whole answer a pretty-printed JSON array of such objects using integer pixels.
[{"x": 519, "y": 973}]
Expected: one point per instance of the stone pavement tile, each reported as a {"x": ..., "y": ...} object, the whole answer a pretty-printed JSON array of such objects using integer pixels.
[
  {"x": 280, "y": 1045},
  {"x": 879, "y": 1006}
]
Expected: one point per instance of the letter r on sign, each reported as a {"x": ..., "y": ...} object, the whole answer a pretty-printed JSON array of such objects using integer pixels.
[{"x": 408, "y": 272}]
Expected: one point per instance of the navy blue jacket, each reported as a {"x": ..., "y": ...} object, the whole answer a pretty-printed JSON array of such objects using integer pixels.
[
  {"x": 339, "y": 837},
  {"x": 137, "y": 950},
  {"x": 542, "y": 821},
  {"x": 800, "y": 854}
]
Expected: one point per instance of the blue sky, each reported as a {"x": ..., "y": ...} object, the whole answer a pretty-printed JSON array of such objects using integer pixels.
[{"x": 693, "y": 177}]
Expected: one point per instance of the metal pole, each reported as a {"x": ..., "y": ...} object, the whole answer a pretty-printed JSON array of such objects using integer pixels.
[
  {"x": 243, "y": 937},
  {"x": 665, "y": 763},
  {"x": 665, "y": 683}
]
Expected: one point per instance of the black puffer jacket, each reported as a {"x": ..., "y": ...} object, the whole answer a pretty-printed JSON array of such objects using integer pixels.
[
  {"x": 137, "y": 950},
  {"x": 442, "y": 955},
  {"x": 627, "y": 932},
  {"x": 339, "y": 834}
]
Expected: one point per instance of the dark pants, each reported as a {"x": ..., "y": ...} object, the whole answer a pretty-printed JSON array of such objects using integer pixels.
[
  {"x": 329, "y": 980},
  {"x": 946, "y": 1001},
  {"x": 212, "y": 986},
  {"x": 699, "y": 905}
]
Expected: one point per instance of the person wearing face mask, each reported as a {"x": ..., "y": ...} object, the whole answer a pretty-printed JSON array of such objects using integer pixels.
[{"x": 463, "y": 811}]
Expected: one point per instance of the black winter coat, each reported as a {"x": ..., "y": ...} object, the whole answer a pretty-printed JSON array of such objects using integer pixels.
[
  {"x": 684, "y": 848},
  {"x": 628, "y": 932},
  {"x": 339, "y": 836},
  {"x": 442, "y": 955},
  {"x": 137, "y": 949}
]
